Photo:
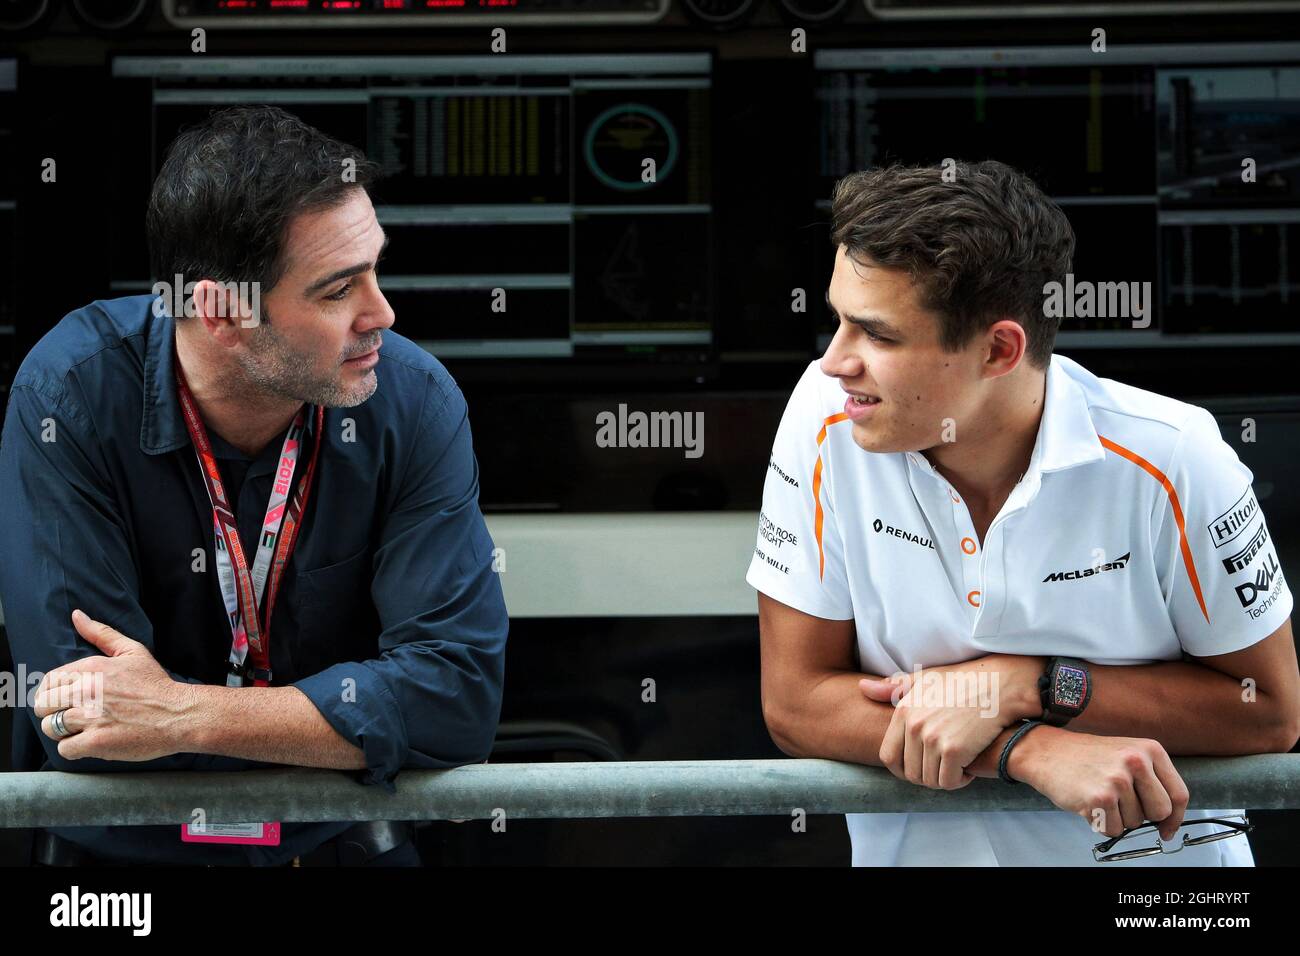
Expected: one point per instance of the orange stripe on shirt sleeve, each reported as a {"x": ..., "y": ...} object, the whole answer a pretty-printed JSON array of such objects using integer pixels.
[
  {"x": 816, "y": 491},
  {"x": 1159, "y": 476}
]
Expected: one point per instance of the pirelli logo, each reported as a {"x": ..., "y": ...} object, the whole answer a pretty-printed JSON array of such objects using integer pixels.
[
  {"x": 1243, "y": 557},
  {"x": 1232, "y": 522}
]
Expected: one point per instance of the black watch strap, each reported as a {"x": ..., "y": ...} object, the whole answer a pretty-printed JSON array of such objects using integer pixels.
[{"x": 1064, "y": 690}]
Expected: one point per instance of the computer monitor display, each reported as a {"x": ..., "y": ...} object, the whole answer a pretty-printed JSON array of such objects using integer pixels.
[{"x": 540, "y": 207}]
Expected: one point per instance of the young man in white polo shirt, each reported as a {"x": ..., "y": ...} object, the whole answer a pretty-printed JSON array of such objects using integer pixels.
[{"x": 945, "y": 494}]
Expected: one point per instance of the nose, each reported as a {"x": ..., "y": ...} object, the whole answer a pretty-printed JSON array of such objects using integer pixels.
[
  {"x": 840, "y": 361},
  {"x": 379, "y": 316}
]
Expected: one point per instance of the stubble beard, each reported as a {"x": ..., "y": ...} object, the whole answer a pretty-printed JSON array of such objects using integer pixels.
[{"x": 275, "y": 368}]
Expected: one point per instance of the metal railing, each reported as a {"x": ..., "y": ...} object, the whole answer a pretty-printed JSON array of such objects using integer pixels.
[{"x": 573, "y": 790}]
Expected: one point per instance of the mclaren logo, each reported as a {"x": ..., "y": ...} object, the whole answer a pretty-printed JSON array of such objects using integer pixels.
[{"x": 1119, "y": 564}]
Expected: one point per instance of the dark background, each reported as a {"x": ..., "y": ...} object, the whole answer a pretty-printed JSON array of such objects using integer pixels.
[{"x": 758, "y": 152}]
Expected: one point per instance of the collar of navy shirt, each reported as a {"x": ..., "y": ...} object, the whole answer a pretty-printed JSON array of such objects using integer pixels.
[{"x": 162, "y": 424}]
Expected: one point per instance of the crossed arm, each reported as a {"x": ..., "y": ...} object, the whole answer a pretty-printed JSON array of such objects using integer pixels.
[
  {"x": 814, "y": 707},
  {"x": 155, "y": 715},
  {"x": 429, "y": 698},
  {"x": 279, "y": 725}
]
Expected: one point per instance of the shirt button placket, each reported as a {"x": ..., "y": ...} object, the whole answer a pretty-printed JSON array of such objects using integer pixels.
[{"x": 973, "y": 597}]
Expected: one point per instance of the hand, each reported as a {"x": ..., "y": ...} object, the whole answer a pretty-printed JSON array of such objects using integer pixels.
[
  {"x": 119, "y": 706},
  {"x": 932, "y": 739},
  {"x": 1112, "y": 782}
]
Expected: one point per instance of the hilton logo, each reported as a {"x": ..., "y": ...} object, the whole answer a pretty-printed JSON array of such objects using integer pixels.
[{"x": 1230, "y": 524}]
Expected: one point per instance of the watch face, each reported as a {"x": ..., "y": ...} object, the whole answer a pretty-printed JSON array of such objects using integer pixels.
[{"x": 1071, "y": 687}]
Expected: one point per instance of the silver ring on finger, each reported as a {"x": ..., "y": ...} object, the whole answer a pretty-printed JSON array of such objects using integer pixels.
[{"x": 60, "y": 728}]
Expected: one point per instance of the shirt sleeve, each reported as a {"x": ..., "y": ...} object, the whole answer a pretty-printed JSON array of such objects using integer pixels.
[
  {"x": 799, "y": 558},
  {"x": 432, "y": 698},
  {"x": 1217, "y": 561},
  {"x": 66, "y": 547}
]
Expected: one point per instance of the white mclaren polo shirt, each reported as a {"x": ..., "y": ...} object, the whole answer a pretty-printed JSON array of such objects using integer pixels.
[{"x": 1134, "y": 536}]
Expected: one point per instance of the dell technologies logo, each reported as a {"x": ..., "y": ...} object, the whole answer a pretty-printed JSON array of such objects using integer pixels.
[{"x": 1249, "y": 592}]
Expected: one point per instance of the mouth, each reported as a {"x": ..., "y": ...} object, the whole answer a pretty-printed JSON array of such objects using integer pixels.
[
  {"x": 863, "y": 399},
  {"x": 859, "y": 405},
  {"x": 366, "y": 359}
]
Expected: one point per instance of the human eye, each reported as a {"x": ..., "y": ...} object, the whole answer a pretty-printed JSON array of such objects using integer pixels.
[
  {"x": 836, "y": 319},
  {"x": 871, "y": 336},
  {"x": 340, "y": 295}
]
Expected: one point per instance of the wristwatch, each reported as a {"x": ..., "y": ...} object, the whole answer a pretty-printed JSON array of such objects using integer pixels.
[{"x": 1064, "y": 689}]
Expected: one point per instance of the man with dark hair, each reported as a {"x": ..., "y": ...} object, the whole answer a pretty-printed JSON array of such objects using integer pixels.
[
  {"x": 968, "y": 542},
  {"x": 243, "y": 520}
]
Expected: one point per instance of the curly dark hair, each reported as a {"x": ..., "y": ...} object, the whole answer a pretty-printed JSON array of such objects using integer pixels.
[
  {"x": 229, "y": 187},
  {"x": 980, "y": 247}
]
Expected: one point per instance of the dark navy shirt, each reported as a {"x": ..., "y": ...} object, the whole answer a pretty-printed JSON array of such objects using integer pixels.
[{"x": 390, "y": 617}]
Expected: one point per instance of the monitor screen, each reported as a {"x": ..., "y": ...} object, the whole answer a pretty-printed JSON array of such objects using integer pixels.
[
  {"x": 552, "y": 209},
  {"x": 1173, "y": 164}
]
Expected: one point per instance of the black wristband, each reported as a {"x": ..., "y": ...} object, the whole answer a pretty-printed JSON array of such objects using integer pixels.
[{"x": 1006, "y": 751}]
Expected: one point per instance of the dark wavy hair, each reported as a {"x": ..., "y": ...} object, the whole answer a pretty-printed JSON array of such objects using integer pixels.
[
  {"x": 229, "y": 187},
  {"x": 980, "y": 247}
]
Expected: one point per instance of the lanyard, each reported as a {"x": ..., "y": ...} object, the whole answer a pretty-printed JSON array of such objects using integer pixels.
[{"x": 241, "y": 590}]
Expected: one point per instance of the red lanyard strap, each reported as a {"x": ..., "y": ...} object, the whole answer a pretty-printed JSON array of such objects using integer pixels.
[{"x": 244, "y": 592}]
